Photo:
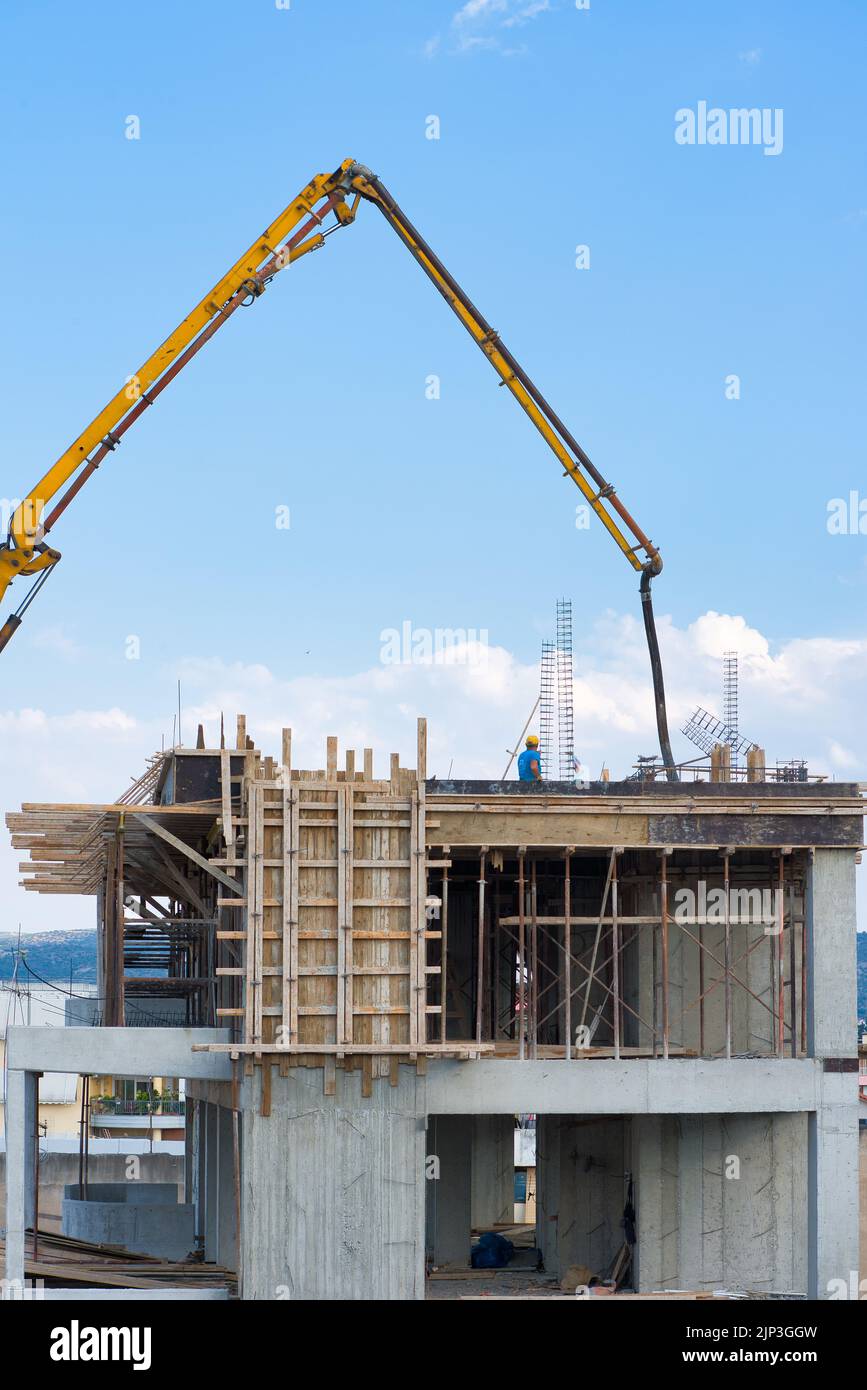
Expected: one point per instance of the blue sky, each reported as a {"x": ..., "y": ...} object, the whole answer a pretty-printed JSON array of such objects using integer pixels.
[{"x": 556, "y": 130}]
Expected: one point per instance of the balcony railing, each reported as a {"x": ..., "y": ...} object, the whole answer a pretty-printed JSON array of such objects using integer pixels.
[{"x": 156, "y": 1106}]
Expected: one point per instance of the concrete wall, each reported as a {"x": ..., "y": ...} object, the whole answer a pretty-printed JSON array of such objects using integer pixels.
[
  {"x": 449, "y": 1190},
  {"x": 721, "y": 1202},
  {"x": 333, "y": 1188},
  {"x": 581, "y": 1183},
  {"x": 493, "y": 1170}
]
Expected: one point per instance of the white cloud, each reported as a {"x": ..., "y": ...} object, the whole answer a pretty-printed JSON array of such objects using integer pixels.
[
  {"x": 479, "y": 9},
  {"x": 477, "y": 25},
  {"x": 57, "y": 641},
  {"x": 751, "y": 57},
  {"x": 528, "y": 13},
  {"x": 432, "y": 46}
]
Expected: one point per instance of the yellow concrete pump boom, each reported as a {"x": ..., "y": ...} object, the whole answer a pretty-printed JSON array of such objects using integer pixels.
[{"x": 25, "y": 552}]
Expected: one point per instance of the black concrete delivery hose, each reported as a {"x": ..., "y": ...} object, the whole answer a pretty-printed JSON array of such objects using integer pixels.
[{"x": 656, "y": 673}]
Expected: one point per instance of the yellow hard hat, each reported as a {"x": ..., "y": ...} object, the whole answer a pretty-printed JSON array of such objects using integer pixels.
[{"x": 532, "y": 741}]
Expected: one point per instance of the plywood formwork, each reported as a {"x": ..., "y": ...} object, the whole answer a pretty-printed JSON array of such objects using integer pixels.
[{"x": 331, "y": 928}]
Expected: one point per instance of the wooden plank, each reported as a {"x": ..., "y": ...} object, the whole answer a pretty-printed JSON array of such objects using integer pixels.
[
  {"x": 289, "y": 912},
  {"x": 344, "y": 988},
  {"x": 451, "y": 1049},
  {"x": 252, "y": 910}
]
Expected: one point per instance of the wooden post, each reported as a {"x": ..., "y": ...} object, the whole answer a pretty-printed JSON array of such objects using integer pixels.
[
  {"x": 755, "y": 765},
  {"x": 331, "y": 758},
  {"x": 480, "y": 953},
  {"x": 728, "y": 949},
  {"x": 663, "y": 903},
  {"x": 567, "y": 956},
  {"x": 421, "y": 757},
  {"x": 793, "y": 1010},
  {"x": 522, "y": 993},
  {"x": 780, "y": 925},
  {"x": 615, "y": 951},
  {"x": 534, "y": 963},
  {"x": 444, "y": 948}
]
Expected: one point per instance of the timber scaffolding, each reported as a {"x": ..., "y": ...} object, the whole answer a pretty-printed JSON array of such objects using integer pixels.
[{"x": 333, "y": 919}]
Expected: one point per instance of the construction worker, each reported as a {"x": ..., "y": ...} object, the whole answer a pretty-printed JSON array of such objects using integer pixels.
[{"x": 529, "y": 764}]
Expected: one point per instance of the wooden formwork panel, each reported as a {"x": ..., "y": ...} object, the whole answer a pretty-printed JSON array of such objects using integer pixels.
[{"x": 334, "y": 923}]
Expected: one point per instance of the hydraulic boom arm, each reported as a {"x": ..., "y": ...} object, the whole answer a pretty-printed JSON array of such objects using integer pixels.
[{"x": 283, "y": 242}]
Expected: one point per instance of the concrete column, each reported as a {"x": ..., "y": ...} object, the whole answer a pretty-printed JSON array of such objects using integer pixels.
[
  {"x": 199, "y": 1173},
  {"x": 548, "y": 1190},
  {"x": 832, "y": 1146},
  {"x": 690, "y": 1201},
  {"x": 831, "y": 954},
  {"x": 493, "y": 1170},
  {"x": 100, "y": 959},
  {"x": 21, "y": 1120},
  {"x": 189, "y": 1150},
  {"x": 449, "y": 1199},
  {"x": 226, "y": 1237},
  {"x": 212, "y": 1182},
  {"x": 333, "y": 1187},
  {"x": 654, "y": 1167},
  {"x": 832, "y": 1190}
]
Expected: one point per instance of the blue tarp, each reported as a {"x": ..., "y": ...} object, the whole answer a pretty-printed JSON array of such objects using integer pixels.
[{"x": 492, "y": 1252}]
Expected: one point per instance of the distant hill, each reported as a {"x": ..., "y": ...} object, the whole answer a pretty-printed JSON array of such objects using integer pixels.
[{"x": 51, "y": 955}]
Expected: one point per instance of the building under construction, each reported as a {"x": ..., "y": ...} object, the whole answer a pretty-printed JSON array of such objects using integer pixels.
[{"x": 364, "y": 979}]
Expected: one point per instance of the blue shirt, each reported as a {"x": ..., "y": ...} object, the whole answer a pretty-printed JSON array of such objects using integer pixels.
[{"x": 528, "y": 756}]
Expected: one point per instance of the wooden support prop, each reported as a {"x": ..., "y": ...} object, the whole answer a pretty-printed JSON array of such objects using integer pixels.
[
  {"x": 480, "y": 952},
  {"x": 421, "y": 756},
  {"x": 663, "y": 902},
  {"x": 150, "y": 824},
  {"x": 615, "y": 955},
  {"x": 522, "y": 992},
  {"x": 567, "y": 942},
  {"x": 727, "y": 953}
]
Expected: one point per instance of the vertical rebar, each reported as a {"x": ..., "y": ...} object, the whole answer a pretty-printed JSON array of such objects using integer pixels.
[
  {"x": 546, "y": 708},
  {"x": 565, "y": 719}
]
